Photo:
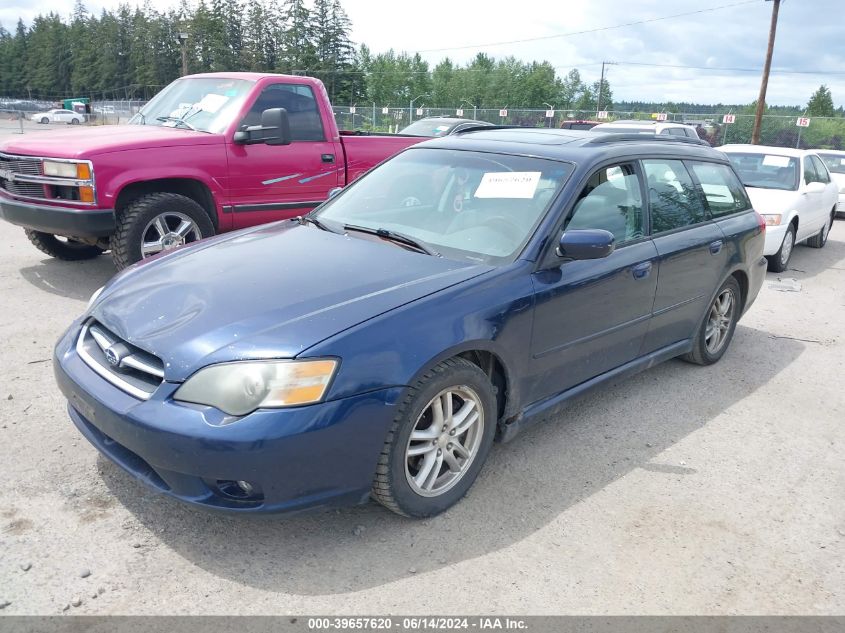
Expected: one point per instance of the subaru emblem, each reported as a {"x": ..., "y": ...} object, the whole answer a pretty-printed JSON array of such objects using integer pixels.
[{"x": 112, "y": 356}]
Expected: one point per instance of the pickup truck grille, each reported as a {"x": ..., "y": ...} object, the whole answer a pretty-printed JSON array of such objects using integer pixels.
[
  {"x": 29, "y": 189},
  {"x": 20, "y": 165},
  {"x": 127, "y": 367}
]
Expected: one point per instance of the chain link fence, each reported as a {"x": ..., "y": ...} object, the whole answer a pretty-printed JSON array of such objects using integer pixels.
[{"x": 782, "y": 131}]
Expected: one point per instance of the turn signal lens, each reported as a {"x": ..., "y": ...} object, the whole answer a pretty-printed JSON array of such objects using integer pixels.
[
  {"x": 86, "y": 194},
  {"x": 772, "y": 220},
  {"x": 83, "y": 171}
]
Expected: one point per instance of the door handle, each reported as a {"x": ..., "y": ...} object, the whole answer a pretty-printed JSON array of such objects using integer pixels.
[
  {"x": 327, "y": 158},
  {"x": 715, "y": 247},
  {"x": 641, "y": 271}
]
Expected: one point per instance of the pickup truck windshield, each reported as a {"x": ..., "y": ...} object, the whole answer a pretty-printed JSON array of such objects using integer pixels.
[
  {"x": 207, "y": 104},
  {"x": 463, "y": 205}
]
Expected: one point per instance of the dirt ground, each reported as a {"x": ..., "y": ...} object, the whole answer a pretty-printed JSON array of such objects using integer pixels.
[{"x": 684, "y": 490}]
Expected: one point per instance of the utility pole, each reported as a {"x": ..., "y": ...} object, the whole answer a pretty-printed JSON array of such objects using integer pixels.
[
  {"x": 183, "y": 41},
  {"x": 601, "y": 86},
  {"x": 764, "y": 84}
]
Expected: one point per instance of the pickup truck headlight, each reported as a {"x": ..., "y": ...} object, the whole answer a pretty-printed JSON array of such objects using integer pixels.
[
  {"x": 79, "y": 171},
  {"x": 772, "y": 219},
  {"x": 242, "y": 387}
]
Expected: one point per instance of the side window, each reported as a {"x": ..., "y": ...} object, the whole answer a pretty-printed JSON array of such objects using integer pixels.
[
  {"x": 298, "y": 100},
  {"x": 611, "y": 200},
  {"x": 821, "y": 170},
  {"x": 673, "y": 200},
  {"x": 809, "y": 171},
  {"x": 677, "y": 131},
  {"x": 722, "y": 190}
]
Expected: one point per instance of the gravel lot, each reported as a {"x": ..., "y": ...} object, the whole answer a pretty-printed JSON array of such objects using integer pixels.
[{"x": 684, "y": 490}]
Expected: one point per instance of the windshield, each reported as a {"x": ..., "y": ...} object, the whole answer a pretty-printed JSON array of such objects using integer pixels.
[
  {"x": 835, "y": 162},
  {"x": 429, "y": 128},
  {"x": 207, "y": 104},
  {"x": 766, "y": 171},
  {"x": 464, "y": 205}
]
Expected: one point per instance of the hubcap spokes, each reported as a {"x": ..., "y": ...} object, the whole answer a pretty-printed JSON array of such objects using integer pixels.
[
  {"x": 168, "y": 231},
  {"x": 719, "y": 321},
  {"x": 786, "y": 249},
  {"x": 444, "y": 441}
]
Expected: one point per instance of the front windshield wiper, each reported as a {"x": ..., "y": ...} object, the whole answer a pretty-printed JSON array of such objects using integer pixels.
[
  {"x": 307, "y": 219},
  {"x": 177, "y": 120},
  {"x": 393, "y": 236}
]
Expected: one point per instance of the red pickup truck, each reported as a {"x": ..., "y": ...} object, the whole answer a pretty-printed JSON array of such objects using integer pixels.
[{"x": 210, "y": 153}]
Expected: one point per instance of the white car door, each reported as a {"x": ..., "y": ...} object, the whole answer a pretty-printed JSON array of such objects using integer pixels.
[
  {"x": 831, "y": 192},
  {"x": 811, "y": 201}
]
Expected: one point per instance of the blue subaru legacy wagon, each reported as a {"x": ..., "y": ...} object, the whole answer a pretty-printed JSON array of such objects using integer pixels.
[{"x": 376, "y": 347}]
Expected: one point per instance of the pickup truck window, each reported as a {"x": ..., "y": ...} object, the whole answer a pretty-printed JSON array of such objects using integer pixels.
[
  {"x": 303, "y": 113},
  {"x": 464, "y": 205},
  {"x": 207, "y": 104}
]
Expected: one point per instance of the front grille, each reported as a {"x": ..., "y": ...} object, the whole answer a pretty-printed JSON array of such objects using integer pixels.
[
  {"x": 129, "y": 368},
  {"x": 21, "y": 165},
  {"x": 30, "y": 189}
]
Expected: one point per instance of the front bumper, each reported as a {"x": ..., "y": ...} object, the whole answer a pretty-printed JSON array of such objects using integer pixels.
[
  {"x": 298, "y": 458},
  {"x": 68, "y": 221},
  {"x": 774, "y": 238}
]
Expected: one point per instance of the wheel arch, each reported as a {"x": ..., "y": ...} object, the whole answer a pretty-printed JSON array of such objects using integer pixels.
[{"x": 191, "y": 188}]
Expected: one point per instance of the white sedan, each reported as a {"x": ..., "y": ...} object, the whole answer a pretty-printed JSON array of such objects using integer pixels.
[
  {"x": 58, "y": 115},
  {"x": 792, "y": 189},
  {"x": 835, "y": 162}
]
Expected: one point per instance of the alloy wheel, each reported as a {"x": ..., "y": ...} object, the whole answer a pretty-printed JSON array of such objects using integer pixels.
[
  {"x": 444, "y": 441},
  {"x": 719, "y": 321},
  {"x": 168, "y": 231},
  {"x": 786, "y": 247}
]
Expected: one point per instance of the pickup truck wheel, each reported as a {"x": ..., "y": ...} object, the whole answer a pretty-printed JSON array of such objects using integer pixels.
[
  {"x": 157, "y": 222},
  {"x": 780, "y": 260},
  {"x": 716, "y": 331},
  {"x": 65, "y": 248},
  {"x": 440, "y": 437},
  {"x": 820, "y": 238}
]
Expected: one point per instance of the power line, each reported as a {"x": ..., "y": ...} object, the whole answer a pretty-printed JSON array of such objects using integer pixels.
[
  {"x": 595, "y": 30},
  {"x": 781, "y": 71}
]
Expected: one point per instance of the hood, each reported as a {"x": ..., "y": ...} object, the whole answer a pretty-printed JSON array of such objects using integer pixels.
[
  {"x": 271, "y": 292},
  {"x": 85, "y": 142},
  {"x": 772, "y": 201}
]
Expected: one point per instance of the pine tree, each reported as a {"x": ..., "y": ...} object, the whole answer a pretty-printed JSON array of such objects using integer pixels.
[{"x": 821, "y": 103}]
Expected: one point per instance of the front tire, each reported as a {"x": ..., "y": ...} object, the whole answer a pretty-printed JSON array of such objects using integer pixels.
[
  {"x": 440, "y": 438},
  {"x": 64, "y": 248},
  {"x": 780, "y": 260},
  {"x": 820, "y": 238},
  {"x": 717, "y": 329},
  {"x": 157, "y": 222},
  {"x": 45, "y": 120}
]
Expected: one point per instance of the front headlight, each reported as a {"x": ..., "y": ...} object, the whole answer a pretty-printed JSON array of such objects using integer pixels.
[
  {"x": 242, "y": 387},
  {"x": 772, "y": 219},
  {"x": 80, "y": 171}
]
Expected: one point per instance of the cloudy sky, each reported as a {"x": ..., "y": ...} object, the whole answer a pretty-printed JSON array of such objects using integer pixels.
[{"x": 809, "y": 51}]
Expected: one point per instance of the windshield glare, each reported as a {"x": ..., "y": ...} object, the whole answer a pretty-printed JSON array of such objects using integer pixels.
[
  {"x": 835, "y": 162},
  {"x": 206, "y": 103},
  {"x": 766, "y": 171},
  {"x": 464, "y": 205}
]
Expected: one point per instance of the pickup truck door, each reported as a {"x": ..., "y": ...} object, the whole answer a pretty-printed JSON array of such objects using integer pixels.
[{"x": 274, "y": 182}]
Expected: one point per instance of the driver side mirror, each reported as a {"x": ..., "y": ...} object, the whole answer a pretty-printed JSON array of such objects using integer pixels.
[
  {"x": 585, "y": 244},
  {"x": 274, "y": 129},
  {"x": 815, "y": 187}
]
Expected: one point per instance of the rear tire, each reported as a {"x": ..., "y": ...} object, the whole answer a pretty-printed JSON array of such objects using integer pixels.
[
  {"x": 136, "y": 226},
  {"x": 45, "y": 120},
  {"x": 64, "y": 248},
  {"x": 717, "y": 328},
  {"x": 74, "y": 121},
  {"x": 780, "y": 260},
  {"x": 820, "y": 238},
  {"x": 451, "y": 412}
]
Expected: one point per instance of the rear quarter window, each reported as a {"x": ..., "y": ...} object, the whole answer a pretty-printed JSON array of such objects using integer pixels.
[{"x": 723, "y": 191}]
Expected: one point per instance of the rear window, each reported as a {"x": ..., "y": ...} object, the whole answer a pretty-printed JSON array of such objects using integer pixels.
[
  {"x": 835, "y": 162},
  {"x": 722, "y": 190},
  {"x": 673, "y": 200}
]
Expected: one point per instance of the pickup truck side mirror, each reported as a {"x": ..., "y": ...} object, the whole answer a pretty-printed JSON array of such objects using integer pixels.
[
  {"x": 585, "y": 244},
  {"x": 274, "y": 129}
]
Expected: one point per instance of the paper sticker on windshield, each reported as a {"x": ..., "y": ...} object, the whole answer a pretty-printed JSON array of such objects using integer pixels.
[
  {"x": 212, "y": 102},
  {"x": 775, "y": 161},
  {"x": 508, "y": 184}
]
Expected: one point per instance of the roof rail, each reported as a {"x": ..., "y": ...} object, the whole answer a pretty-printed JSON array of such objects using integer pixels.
[
  {"x": 477, "y": 128},
  {"x": 615, "y": 137}
]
